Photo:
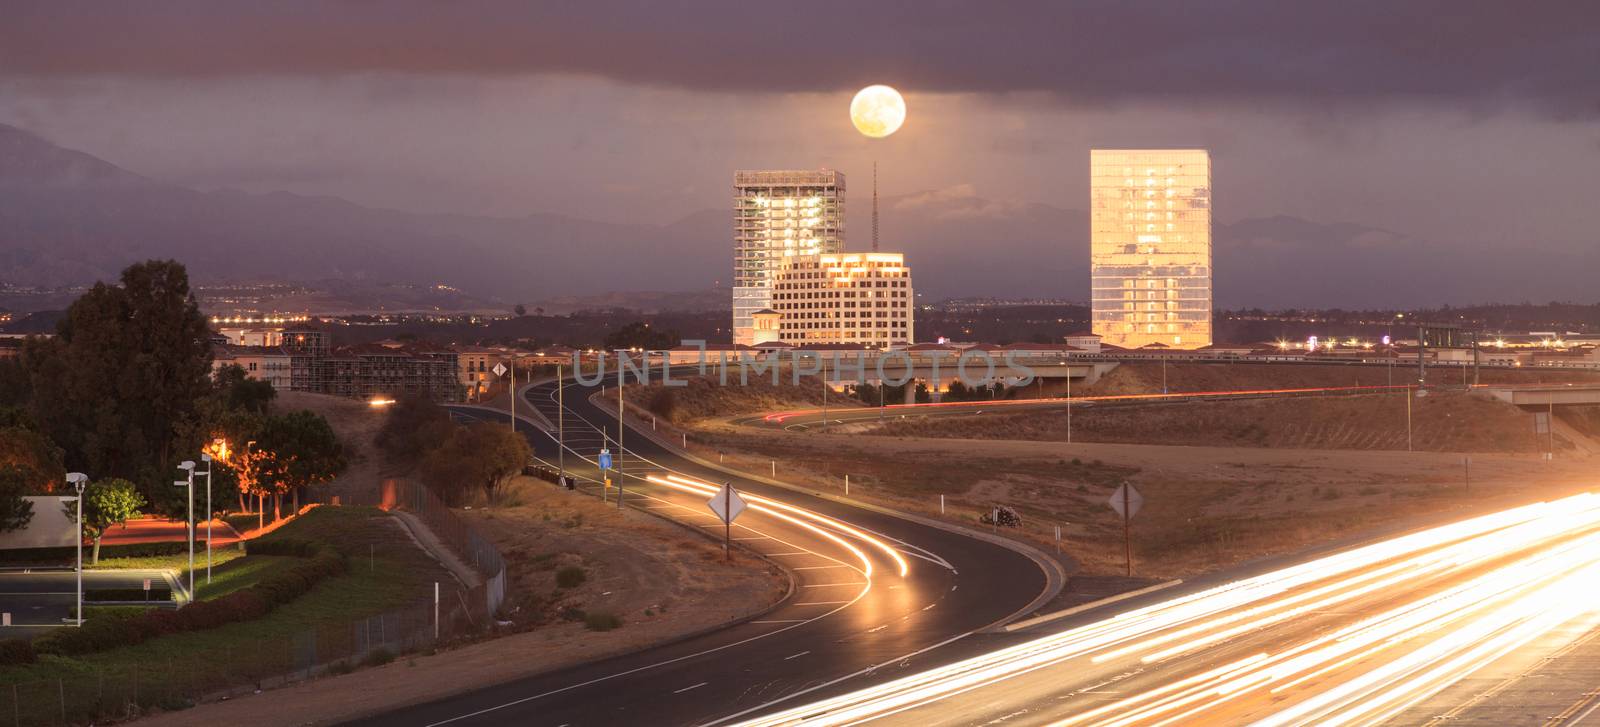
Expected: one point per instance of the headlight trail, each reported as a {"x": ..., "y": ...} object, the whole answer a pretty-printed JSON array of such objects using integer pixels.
[
  {"x": 782, "y": 416},
  {"x": 1439, "y": 604},
  {"x": 894, "y": 555}
]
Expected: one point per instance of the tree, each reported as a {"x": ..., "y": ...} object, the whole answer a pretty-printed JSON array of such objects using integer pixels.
[
  {"x": 37, "y": 459},
  {"x": 413, "y": 426},
  {"x": 500, "y": 454},
  {"x": 106, "y": 504},
  {"x": 239, "y": 392},
  {"x": 482, "y": 456},
  {"x": 640, "y": 335},
  {"x": 300, "y": 450},
  {"x": 520, "y": 310},
  {"x": 15, "y": 511},
  {"x": 121, "y": 381}
]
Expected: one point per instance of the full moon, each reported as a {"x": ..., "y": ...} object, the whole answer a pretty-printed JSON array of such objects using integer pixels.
[{"x": 877, "y": 111}]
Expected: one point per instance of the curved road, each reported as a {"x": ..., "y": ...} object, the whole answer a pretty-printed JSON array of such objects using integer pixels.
[{"x": 874, "y": 595}]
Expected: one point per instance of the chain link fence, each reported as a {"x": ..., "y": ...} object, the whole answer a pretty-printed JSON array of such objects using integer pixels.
[{"x": 217, "y": 672}]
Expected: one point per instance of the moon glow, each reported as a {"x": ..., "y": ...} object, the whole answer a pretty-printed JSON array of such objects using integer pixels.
[{"x": 877, "y": 111}]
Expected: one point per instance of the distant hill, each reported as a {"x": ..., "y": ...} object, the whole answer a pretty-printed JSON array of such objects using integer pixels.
[{"x": 68, "y": 218}]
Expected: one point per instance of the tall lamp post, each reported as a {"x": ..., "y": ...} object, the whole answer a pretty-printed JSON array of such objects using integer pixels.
[
  {"x": 209, "y": 514},
  {"x": 188, "y": 467},
  {"x": 78, "y": 480}
]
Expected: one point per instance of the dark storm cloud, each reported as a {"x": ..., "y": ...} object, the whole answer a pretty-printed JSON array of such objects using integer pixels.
[{"x": 1466, "y": 54}]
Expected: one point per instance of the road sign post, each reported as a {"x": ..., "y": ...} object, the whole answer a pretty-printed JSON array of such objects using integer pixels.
[
  {"x": 727, "y": 505},
  {"x": 1127, "y": 501}
]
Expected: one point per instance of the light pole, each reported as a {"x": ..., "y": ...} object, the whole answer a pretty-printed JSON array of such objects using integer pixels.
[
  {"x": 209, "y": 514},
  {"x": 78, "y": 480},
  {"x": 188, "y": 467}
]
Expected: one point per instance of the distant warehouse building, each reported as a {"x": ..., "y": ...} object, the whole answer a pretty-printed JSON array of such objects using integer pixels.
[
  {"x": 861, "y": 298},
  {"x": 1150, "y": 246}
]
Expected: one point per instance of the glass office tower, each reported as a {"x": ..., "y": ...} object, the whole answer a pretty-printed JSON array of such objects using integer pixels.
[
  {"x": 779, "y": 215},
  {"x": 1150, "y": 246}
]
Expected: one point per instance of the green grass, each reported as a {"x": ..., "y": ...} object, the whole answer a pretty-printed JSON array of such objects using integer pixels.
[
  {"x": 239, "y": 573},
  {"x": 178, "y": 562},
  {"x": 399, "y": 575}
]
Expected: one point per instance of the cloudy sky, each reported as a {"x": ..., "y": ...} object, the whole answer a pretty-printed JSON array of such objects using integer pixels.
[{"x": 1450, "y": 120}]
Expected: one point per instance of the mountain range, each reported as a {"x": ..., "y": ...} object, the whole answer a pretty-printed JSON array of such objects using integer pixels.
[{"x": 69, "y": 218}]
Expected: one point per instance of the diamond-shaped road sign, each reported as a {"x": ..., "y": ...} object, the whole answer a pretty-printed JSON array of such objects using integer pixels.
[
  {"x": 499, "y": 369},
  {"x": 726, "y": 504},
  {"x": 1132, "y": 498}
]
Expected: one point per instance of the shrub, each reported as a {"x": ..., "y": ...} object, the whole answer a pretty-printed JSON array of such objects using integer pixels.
[
  {"x": 16, "y": 651},
  {"x": 570, "y": 577},
  {"x": 601, "y": 620},
  {"x": 378, "y": 657}
]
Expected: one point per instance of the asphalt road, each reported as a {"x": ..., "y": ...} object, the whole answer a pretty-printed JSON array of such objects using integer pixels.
[
  {"x": 1482, "y": 622},
  {"x": 853, "y": 619}
]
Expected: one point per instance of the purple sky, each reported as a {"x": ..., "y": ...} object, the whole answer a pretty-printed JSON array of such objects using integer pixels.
[{"x": 1448, "y": 120}]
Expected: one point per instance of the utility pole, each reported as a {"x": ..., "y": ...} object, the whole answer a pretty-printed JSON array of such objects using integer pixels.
[
  {"x": 621, "y": 453},
  {"x": 209, "y": 512},
  {"x": 561, "y": 426},
  {"x": 1408, "y": 418},
  {"x": 513, "y": 393},
  {"x": 1069, "y": 405},
  {"x": 824, "y": 402},
  {"x": 1550, "y": 416}
]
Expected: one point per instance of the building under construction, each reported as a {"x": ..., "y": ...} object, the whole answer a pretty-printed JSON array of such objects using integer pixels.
[{"x": 373, "y": 371}]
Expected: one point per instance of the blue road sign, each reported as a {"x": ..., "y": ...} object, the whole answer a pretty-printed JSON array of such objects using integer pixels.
[{"x": 605, "y": 459}]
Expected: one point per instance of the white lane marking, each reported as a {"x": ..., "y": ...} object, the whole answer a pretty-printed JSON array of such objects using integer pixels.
[
  {"x": 830, "y": 585},
  {"x": 807, "y": 552},
  {"x": 685, "y": 689},
  {"x": 796, "y": 656},
  {"x": 784, "y": 621},
  {"x": 877, "y": 628},
  {"x": 822, "y": 603},
  {"x": 818, "y": 567}
]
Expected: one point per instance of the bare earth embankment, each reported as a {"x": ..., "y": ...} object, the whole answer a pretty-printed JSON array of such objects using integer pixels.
[
  {"x": 1332, "y": 468},
  {"x": 640, "y": 581},
  {"x": 1443, "y": 421}
]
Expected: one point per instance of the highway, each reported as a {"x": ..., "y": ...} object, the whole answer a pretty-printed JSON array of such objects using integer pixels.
[
  {"x": 1363, "y": 636},
  {"x": 875, "y": 596}
]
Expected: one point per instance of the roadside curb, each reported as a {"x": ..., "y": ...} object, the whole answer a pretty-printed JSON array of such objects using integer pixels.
[
  {"x": 1090, "y": 606},
  {"x": 1055, "y": 573}
]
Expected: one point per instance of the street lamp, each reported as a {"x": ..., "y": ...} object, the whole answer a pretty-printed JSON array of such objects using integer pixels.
[
  {"x": 188, "y": 466},
  {"x": 78, "y": 480},
  {"x": 209, "y": 514}
]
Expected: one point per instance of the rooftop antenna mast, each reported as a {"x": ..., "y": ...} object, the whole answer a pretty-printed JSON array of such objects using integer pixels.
[{"x": 874, "y": 205}]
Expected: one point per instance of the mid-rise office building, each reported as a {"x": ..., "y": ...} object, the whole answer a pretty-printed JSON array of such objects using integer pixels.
[
  {"x": 1150, "y": 246},
  {"x": 861, "y": 298},
  {"x": 778, "y": 215}
]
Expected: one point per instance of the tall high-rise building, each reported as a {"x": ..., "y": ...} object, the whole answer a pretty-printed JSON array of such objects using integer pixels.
[
  {"x": 861, "y": 298},
  {"x": 779, "y": 215},
  {"x": 1150, "y": 246}
]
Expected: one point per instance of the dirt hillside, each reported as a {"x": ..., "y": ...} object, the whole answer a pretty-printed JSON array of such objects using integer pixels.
[{"x": 1441, "y": 422}]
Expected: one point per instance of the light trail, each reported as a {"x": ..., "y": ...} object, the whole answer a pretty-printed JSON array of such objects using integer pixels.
[
  {"x": 1449, "y": 600},
  {"x": 894, "y": 555},
  {"x": 780, "y": 417}
]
